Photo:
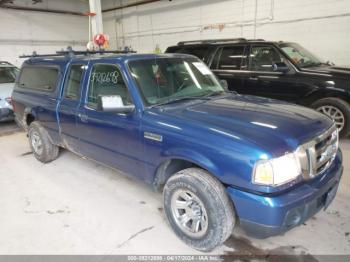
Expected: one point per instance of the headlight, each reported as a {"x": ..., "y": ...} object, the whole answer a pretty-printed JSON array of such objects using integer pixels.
[{"x": 277, "y": 171}]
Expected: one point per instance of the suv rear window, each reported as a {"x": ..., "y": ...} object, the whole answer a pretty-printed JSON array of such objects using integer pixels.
[
  {"x": 40, "y": 78},
  {"x": 8, "y": 74}
]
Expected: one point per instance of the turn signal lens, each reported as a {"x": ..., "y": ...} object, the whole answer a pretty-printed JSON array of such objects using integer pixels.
[
  {"x": 277, "y": 171},
  {"x": 264, "y": 173}
]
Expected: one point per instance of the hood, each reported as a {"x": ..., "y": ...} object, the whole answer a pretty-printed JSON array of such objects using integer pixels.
[
  {"x": 332, "y": 70},
  {"x": 273, "y": 125},
  {"x": 6, "y": 90}
]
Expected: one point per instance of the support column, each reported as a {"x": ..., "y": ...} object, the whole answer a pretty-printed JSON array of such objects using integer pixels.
[{"x": 96, "y": 21}]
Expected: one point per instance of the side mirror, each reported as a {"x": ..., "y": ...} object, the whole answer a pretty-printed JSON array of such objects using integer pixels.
[
  {"x": 280, "y": 67},
  {"x": 113, "y": 104},
  {"x": 224, "y": 84}
]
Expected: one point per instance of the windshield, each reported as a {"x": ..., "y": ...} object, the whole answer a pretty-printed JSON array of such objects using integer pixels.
[
  {"x": 163, "y": 80},
  {"x": 8, "y": 74},
  {"x": 300, "y": 56}
]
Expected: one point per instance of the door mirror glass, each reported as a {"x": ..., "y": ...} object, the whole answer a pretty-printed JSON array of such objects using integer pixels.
[
  {"x": 280, "y": 67},
  {"x": 113, "y": 103},
  {"x": 224, "y": 84}
]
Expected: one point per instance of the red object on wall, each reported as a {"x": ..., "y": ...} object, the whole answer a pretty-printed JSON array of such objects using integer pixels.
[
  {"x": 89, "y": 14},
  {"x": 100, "y": 39}
]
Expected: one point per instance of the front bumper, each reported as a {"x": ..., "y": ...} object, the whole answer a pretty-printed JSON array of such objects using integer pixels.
[
  {"x": 265, "y": 215},
  {"x": 6, "y": 114}
]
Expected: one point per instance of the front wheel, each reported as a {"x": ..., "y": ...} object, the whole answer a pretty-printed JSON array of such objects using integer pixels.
[
  {"x": 198, "y": 209},
  {"x": 338, "y": 110}
]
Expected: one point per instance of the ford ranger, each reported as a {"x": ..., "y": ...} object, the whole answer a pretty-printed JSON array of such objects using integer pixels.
[{"x": 221, "y": 159}]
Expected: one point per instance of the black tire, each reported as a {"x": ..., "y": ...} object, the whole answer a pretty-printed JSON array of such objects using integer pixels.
[
  {"x": 219, "y": 208},
  {"x": 49, "y": 151},
  {"x": 342, "y": 106}
]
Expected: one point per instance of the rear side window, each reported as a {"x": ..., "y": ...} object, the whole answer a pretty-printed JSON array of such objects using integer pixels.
[
  {"x": 40, "y": 78},
  {"x": 198, "y": 51},
  {"x": 231, "y": 58},
  {"x": 73, "y": 82}
]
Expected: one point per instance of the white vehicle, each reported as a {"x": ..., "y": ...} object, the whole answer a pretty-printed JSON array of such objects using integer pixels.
[{"x": 8, "y": 74}]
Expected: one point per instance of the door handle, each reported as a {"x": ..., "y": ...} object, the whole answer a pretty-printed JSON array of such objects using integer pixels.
[
  {"x": 83, "y": 118},
  {"x": 227, "y": 75},
  {"x": 253, "y": 78}
]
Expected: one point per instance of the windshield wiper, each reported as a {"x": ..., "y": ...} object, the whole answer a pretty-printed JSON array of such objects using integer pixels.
[
  {"x": 313, "y": 65},
  {"x": 183, "y": 98},
  {"x": 214, "y": 93},
  {"x": 176, "y": 100}
]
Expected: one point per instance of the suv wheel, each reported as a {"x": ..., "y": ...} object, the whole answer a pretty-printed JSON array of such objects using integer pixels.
[
  {"x": 198, "y": 209},
  {"x": 40, "y": 143},
  {"x": 338, "y": 110}
]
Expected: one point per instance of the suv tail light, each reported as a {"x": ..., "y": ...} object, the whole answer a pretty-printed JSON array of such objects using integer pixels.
[{"x": 10, "y": 101}]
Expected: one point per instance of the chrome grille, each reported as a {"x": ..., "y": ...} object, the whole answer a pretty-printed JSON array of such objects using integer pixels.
[{"x": 317, "y": 155}]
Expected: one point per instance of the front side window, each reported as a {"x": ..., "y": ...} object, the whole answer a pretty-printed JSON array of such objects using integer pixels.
[
  {"x": 300, "y": 56},
  {"x": 72, "y": 87},
  {"x": 167, "y": 79},
  {"x": 40, "y": 78},
  {"x": 8, "y": 74},
  {"x": 106, "y": 80},
  {"x": 231, "y": 58},
  {"x": 263, "y": 57}
]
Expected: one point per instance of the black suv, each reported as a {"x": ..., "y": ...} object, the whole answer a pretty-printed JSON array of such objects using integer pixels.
[{"x": 278, "y": 70}]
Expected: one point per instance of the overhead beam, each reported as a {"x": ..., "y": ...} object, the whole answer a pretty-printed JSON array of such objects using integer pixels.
[
  {"x": 130, "y": 5},
  {"x": 43, "y": 10}
]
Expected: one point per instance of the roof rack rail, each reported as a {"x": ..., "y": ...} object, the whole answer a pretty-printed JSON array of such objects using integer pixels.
[
  {"x": 35, "y": 54},
  {"x": 70, "y": 53},
  {"x": 209, "y": 41}
]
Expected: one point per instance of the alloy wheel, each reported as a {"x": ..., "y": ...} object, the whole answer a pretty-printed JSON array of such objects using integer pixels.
[
  {"x": 334, "y": 113},
  {"x": 37, "y": 143},
  {"x": 189, "y": 213}
]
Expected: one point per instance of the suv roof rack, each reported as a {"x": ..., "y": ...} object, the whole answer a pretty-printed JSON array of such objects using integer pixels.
[
  {"x": 216, "y": 41},
  {"x": 71, "y": 53}
]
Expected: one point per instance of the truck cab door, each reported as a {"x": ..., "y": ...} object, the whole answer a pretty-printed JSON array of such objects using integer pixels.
[
  {"x": 264, "y": 81},
  {"x": 229, "y": 63},
  {"x": 109, "y": 137},
  {"x": 69, "y": 103}
]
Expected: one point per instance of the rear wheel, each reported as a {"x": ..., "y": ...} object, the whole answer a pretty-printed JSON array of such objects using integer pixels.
[
  {"x": 338, "y": 110},
  {"x": 43, "y": 149},
  {"x": 198, "y": 209}
]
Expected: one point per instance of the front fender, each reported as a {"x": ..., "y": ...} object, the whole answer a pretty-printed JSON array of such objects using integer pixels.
[
  {"x": 193, "y": 157},
  {"x": 326, "y": 92}
]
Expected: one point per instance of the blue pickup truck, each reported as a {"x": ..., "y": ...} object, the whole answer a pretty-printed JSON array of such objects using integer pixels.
[{"x": 220, "y": 158}]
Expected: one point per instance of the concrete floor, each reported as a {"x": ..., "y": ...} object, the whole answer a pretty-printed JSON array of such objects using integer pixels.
[
  {"x": 74, "y": 206},
  {"x": 7, "y": 128}
]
